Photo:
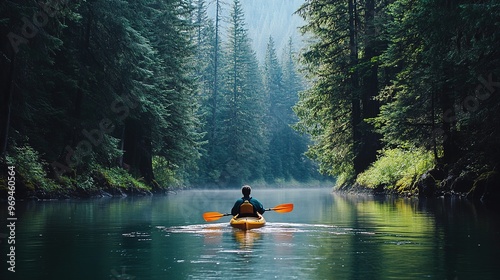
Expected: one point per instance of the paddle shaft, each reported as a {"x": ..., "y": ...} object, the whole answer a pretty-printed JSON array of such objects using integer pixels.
[
  {"x": 214, "y": 216},
  {"x": 282, "y": 208}
]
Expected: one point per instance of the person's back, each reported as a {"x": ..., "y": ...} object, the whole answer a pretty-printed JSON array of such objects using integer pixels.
[{"x": 247, "y": 206}]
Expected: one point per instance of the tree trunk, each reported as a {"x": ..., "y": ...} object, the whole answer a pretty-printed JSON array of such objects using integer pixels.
[
  {"x": 450, "y": 150},
  {"x": 215, "y": 86},
  {"x": 370, "y": 143},
  {"x": 355, "y": 101},
  {"x": 138, "y": 150},
  {"x": 7, "y": 81}
]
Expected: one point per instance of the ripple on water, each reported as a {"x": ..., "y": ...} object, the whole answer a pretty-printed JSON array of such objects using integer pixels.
[
  {"x": 197, "y": 228},
  {"x": 274, "y": 228}
]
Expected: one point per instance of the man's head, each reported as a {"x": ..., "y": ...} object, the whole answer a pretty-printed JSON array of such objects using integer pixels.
[{"x": 246, "y": 190}]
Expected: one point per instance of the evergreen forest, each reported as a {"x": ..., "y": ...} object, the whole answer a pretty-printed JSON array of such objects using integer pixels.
[
  {"x": 144, "y": 96},
  {"x": 404, "y": 95}
]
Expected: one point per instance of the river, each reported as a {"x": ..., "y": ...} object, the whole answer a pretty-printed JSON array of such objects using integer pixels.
[{"x": 326, "y": 236}]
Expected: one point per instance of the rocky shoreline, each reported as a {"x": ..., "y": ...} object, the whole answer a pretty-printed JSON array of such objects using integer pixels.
[{"x": 482, "y": 187}]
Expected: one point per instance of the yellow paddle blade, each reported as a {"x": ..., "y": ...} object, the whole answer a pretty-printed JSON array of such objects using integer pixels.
[
  {"x": 283, "y": 208},
  {"x": 212, "y": 216}
]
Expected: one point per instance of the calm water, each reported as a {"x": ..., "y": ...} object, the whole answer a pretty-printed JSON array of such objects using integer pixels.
[{"x": 327, "y": 236}]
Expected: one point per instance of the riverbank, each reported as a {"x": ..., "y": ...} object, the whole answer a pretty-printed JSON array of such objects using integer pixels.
[
  {"x": 481, "y": 186},
  {"x": 101, "y": 182},
  {"x": 108, "y": 182},
  {"x": 22, "y": 191}
]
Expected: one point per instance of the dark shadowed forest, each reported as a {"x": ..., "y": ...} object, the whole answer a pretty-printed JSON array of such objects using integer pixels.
[{"x": 141, "y": 96}]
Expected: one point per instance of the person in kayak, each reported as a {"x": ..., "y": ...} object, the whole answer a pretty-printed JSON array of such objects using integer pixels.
[{"x": 247, "y": 206}]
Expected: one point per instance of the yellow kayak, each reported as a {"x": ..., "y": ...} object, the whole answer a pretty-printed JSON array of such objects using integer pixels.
[{"x": 246, "y": 223}]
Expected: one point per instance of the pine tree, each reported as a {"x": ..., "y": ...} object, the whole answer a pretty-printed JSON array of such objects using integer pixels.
[
  {"x": 176, "y": 135},
  {"x": 433, "y": 103},
  {"x": 114, "y": 89},
  {"x": 205, "y": 68},
  {"x": 241, "y": 139},
  {"x": 299, "y": 167},
  {"x": 325, "y": 110},
  {"x": 342, "y": 65},
  {"x": 276, "y": 120}
]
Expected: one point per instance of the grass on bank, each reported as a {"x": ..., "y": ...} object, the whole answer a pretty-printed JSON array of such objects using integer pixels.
[
  {"x": 117, "y": 177},
  {"x": 397, "y": 169},
  {"x": 31, "y": 173}
]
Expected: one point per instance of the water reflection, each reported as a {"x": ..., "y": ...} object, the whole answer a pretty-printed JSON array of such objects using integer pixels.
[
  {"x": 246, "y": 239},
  {"x": 327, "y": 236}
]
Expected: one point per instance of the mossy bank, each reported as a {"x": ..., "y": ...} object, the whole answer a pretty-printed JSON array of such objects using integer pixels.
[
  {"x": 415, "y": 172},
  {"x": 32, "y": 178}
]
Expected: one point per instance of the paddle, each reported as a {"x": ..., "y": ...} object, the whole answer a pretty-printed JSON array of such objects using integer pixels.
[
  {"x": 282, "y": 208},
  {"x": 214, "y": 216}
]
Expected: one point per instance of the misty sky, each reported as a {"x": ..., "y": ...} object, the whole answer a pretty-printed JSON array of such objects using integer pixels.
[{"x": 266, "y": 18}]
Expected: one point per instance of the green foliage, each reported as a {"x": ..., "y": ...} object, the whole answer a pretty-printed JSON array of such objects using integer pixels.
[
  {"x": 428, "y": 100},
  {"x": 397, "y": 169},
  {"x": 85, "y": 182},
  {"x": 164, "y": 173},
  {"x": 431, "y": 66},
  {"x": 343, "y": 72},
  {"x": 286, "y": 146},
  {"x": 147, "y": 71},
  {"x": 31, "y": 168},
  {"x": 117, "y": 84},
  {"x": 107, "y": 83},
  {"x": 119, "y": 178},
  {"x": 246, "y": 109},
  {"x": 238, "y": 144}
]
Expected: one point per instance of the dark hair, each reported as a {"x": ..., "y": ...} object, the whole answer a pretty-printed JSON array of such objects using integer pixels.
[{"x": 246, "y": 190}]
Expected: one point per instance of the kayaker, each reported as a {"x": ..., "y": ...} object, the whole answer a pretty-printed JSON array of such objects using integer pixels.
[{"x": 247, "y": 205}]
